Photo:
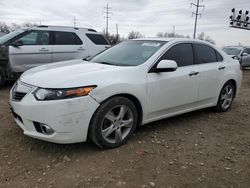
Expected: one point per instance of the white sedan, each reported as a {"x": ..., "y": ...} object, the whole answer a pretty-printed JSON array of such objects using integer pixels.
[{"x": 133, "y": 83}]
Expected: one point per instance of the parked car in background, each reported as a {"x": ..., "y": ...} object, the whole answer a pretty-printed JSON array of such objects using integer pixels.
[
  {"x": 240, "y": 53},
  {"x": 133, "y": 83},
  {"x": 30, "y": 47}
]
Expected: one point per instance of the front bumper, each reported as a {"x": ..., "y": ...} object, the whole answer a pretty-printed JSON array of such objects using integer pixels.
[{"x": 69, "y": 118}]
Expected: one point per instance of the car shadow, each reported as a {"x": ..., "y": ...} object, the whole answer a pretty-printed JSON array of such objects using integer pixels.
[{"x": 88, "y": 148}]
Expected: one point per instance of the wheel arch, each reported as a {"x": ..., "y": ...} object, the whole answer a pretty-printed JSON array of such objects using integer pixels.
[
  {"x": 234, "y": 84},
  {"x": 135, "y": 101},
  {"x": 132, "y": 98}
]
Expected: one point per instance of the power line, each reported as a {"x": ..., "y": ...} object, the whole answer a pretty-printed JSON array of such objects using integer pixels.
[
  {"x": 196, "y": 13},
  {"x": 107, "y": 13}
]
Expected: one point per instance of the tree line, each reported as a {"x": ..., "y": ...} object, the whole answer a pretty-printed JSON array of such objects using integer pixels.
[{"x": 112, "y": 38}]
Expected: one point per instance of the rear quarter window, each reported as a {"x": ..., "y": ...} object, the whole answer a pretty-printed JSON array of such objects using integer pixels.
[
  {"x": 66, "y": 38},
  {"x": 219, "y": 57},
  {"x": 97, "y": 39}
]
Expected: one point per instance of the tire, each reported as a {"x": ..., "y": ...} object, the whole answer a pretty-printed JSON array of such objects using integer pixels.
[
  {"x": 2, "y": 77},
  {"x": 113, "y": 122},
  {"x": 226, "y": 97}
]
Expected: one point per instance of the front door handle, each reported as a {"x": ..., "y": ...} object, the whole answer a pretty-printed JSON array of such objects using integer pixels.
[
  {"x": 43, "y": 50},
  {"x": 80, "y": 48},
  {"x": 222, "y": 68},
  {"x": 193, "y": 73}
]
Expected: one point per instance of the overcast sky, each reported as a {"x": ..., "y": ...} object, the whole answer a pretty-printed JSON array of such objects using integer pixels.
[{"x": 146, "y": 16}]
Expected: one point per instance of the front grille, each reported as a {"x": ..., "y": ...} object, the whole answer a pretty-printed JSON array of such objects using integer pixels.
[
  {"x": 20, "y": 90},
  {"x": 18, "y": 96}
]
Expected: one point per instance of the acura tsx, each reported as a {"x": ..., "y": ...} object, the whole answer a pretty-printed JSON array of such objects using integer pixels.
[{"x": 131, "y": 84}]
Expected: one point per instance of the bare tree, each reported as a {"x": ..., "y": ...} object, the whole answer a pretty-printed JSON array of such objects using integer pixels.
[
  {"x": 113, "y": 39},
  {"x": 172, "y": 35},
  {"x": 14, "y": 26},
  {"x": 134, "y": 35},
  {"x": 209, "y": 39},
  {"x": 4, "y": 27},
  {"x": 160, "y": 34},
  {"x": 29, "y": 24},
  {"x": 202, "y": 36}
]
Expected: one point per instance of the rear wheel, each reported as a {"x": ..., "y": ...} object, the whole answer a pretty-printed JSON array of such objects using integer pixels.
[
  {"x": 2, "y": 77},
  {"x": 113, "y": 122},
  {"x": 226, "y": 97}
]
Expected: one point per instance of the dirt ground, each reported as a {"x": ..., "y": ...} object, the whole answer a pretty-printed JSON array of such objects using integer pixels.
[{"x": 198, "y": 149}]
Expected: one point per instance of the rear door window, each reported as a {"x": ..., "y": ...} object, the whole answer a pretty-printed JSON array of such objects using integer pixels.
[
  {"x": 66, "y": 38},
  {"x": 97, "y": 39},
  {"x": 182, "y": 54},
  {"x": 205, "y": 54},
  {"x": 247, "y": 50}
]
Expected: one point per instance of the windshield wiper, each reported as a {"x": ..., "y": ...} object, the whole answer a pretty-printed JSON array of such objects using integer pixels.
[
  {"x": 106, "y": 63},
  {"x": 87, "y": 58}
]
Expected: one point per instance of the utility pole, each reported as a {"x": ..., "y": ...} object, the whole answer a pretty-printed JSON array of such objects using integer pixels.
[
  {"x": 107, "y": 16},
  {"x": 196, "y": 13},
  {"x": 173, "y": 30},
  {"x": 117, "y": 33},
  {"x": 74, "y": 21}
]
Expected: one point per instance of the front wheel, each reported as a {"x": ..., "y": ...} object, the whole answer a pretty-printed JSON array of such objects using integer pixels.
[
  {"x": 226, "y": 97},
  {"x": 113, "y": 122}
]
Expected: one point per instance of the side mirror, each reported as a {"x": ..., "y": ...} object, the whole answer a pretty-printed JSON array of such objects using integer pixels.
[
  {"x": 244, "y": 54},
  {"x": 166, "y": 66},
  {"x": 17, "y": 43}
]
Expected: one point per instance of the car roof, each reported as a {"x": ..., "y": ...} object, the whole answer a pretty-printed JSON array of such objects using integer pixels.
[
  {"x": 60, "y": 28},
  {"x": 237, "y": 47},
  {"x": 173, "y": 39}
]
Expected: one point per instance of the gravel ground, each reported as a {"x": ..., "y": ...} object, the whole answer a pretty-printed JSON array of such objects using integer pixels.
[{"x": 198, "y": 149}]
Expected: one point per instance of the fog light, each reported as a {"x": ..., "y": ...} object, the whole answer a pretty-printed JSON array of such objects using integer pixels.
[
  {"x": 46, "y": 129},
  {"x": 43, "y": 128}
]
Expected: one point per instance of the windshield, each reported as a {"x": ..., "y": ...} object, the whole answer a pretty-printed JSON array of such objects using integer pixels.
[
  {"x": 9, "y": 36},
  {"x": 232, "y": 51},
  {"x": 129, "y": 53}
]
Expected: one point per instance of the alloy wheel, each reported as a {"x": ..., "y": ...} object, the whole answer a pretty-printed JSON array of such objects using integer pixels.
[
  {"x": 117, "y": 124},
  {"x": 227, "y": 96}
]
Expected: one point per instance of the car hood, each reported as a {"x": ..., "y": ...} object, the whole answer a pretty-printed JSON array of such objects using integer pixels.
[{"x": 68, "y": 74}]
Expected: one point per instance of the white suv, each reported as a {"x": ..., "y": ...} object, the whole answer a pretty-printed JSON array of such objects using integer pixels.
[
  {"x": 30, "y": 47},
  {"x": 132, "y": 83}
]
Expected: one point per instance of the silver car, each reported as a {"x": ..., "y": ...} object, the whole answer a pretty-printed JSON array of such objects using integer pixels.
[
  {"x": 30, "y": 47},
  {"x": 240, "y": 53}
]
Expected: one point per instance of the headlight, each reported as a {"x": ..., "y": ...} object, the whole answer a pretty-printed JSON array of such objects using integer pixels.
[{"x": 57, "y": 94}]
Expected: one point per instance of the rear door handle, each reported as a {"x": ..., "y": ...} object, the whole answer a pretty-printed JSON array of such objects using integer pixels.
[
  {"x": 222, "y": 68},
  {"x": 193, "y": 73}
]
